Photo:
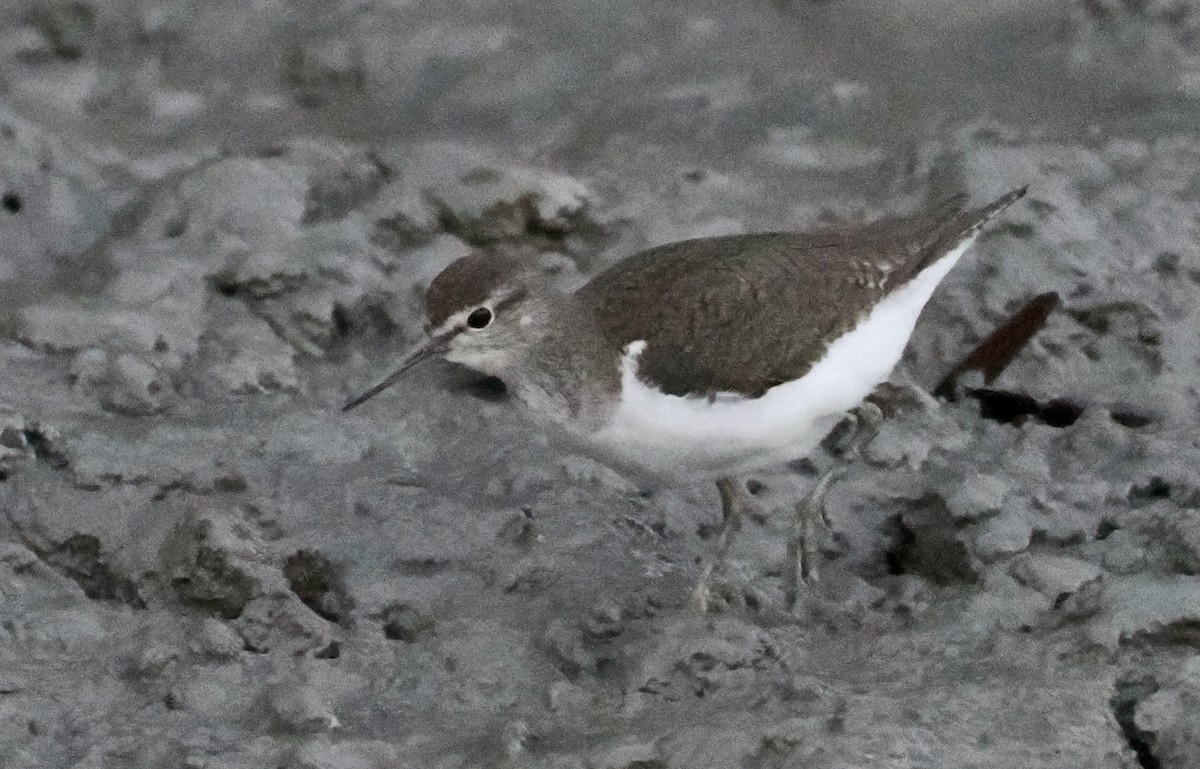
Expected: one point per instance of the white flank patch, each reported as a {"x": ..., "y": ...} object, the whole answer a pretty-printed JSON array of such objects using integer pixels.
[{"x": 672, "y": 439}]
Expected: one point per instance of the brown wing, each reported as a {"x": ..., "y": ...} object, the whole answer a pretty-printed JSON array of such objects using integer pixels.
[{"x": 744, "y": 313}]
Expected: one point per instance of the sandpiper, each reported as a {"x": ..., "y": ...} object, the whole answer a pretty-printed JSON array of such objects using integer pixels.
[{"x": 704, "y": 359}]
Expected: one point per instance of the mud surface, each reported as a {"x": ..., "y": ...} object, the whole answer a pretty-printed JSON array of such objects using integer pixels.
[{"x": 217, "y": 221}]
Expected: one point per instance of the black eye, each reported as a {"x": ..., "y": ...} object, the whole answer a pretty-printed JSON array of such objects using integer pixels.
[{"x": 479, "y": 317}]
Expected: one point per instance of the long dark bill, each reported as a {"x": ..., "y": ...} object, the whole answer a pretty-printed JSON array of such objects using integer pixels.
[{"x": 430, "y": 348}]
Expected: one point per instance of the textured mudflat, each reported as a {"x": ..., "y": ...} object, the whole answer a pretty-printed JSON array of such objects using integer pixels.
[{"x": 217, "y": 219}]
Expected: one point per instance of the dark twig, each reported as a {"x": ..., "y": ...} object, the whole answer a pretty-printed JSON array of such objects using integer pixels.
[{"x": 992, "y": 355}]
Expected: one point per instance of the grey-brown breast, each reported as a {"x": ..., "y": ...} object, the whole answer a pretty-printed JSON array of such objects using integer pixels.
[{"x": 744, "y": 313}]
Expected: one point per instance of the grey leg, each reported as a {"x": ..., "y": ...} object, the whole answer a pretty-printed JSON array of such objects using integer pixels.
[
  {"x": 864, "y": 421},
  {"x": 802, "y": 541},
  {"x": 734, "y": 504}
]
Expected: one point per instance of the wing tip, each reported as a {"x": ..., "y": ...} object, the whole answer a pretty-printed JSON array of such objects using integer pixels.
[
  {"x": 987, "y": 212},
  {"x": 970, "y": 222}
]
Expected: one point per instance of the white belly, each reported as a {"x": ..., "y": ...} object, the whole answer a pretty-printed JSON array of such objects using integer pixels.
[{"x": 668, "y": 439}]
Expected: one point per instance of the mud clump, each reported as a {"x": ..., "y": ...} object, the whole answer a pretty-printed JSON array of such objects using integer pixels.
[
  {"x": 81, "y": 559},
  {"x": 206, "y": 573},
  {"x": 315, "y": 580}
]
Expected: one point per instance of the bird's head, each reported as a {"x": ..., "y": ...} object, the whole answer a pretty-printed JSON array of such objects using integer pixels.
[{"x": 484, "y": 311}]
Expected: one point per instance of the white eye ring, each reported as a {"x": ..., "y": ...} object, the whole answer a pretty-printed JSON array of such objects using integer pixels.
[{"x": 479, "y": 318}]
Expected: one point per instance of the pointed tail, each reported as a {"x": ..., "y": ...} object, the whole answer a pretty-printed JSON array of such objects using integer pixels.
[
  {"x": 956, "y": 224},
  {"x": 973, "y": 220}
]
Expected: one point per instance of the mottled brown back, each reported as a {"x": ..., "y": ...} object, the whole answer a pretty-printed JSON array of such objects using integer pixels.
[{"x": 744, "y": 313}]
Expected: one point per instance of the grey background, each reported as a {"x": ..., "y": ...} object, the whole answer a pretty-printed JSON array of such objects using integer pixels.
[{"x": 217, "y": 219}]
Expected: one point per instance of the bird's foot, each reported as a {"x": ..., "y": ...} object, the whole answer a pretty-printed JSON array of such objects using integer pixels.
[
  {"x": 701, "y": 596},
  {"x": 802, "y": 540},
  {"x": 862, "y": 424},
  {"x": 735, "y": 504}
]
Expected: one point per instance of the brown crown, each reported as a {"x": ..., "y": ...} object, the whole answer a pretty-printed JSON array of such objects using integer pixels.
[{"x": 467, "y": 282}]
